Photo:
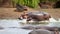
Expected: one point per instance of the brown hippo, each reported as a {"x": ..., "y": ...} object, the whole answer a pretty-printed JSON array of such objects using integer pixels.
[{"x": 38, "y": 16}]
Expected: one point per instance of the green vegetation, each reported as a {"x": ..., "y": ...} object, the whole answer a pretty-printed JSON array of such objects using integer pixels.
[{"x": 32, "y": 3}]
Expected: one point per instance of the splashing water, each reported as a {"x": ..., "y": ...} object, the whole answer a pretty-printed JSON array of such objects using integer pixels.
[
  {"x": 52, "y": 20},
  {"x": 54, "y": 23}
]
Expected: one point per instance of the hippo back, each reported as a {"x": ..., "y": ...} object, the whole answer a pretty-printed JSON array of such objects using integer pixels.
[{"x": 39, "y": 16}]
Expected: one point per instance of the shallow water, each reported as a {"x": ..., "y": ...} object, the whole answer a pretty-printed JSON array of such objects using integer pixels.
[
  {"x": 12, "y": 26},
  {"x": 18, "y": 23},
  {"x": 14, "y": 31},
  {"x": 54, "y": 23}
]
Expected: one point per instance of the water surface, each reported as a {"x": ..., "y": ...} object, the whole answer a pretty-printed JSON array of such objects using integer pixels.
[{"x": 13, "y": 26}]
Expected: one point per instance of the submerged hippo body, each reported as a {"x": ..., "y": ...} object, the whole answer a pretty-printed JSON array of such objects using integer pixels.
[{"x": 39, "y": 16}]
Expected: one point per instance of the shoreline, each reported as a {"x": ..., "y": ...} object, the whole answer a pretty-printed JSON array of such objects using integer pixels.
[{"x": 10, "y": 13}]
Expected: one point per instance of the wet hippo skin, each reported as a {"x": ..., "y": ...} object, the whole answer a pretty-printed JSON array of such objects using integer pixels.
[{"x": 39, "y": 16}]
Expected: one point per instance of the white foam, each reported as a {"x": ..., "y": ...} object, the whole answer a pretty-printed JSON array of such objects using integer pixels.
[
  {"x": 23, "y": 21},
  {"x": 54, "y": 23},
  {"x": 52, "y": 20}
]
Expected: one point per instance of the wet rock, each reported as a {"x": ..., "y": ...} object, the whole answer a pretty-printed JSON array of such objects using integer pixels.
[{"x": 41, "y": 31}]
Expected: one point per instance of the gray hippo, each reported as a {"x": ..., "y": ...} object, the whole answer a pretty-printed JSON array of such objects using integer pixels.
[
  {"x": 38, "y": 16},
  {"x": 42, "y": 29}
]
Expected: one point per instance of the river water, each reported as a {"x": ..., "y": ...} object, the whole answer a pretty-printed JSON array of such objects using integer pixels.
[{"x": 13, "y": 26}]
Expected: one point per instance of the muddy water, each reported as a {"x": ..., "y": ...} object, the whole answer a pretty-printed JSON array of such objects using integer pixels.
[{"x": 12, "y": 26}]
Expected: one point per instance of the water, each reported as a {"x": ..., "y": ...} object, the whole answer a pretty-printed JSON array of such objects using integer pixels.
[
  {"x": 13, "y": 26},
  {"x": 14, "y": 31},
  {"x": 54, "y": 23}
]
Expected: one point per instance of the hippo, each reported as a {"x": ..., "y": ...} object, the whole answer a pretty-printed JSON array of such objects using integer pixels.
[{"x": 38, "y": 16}]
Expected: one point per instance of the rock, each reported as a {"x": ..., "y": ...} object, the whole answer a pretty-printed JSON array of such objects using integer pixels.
[{"x": 41, "y": 31}]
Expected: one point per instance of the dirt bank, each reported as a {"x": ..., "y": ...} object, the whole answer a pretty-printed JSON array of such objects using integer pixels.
[{"x": 11, "y": 13}]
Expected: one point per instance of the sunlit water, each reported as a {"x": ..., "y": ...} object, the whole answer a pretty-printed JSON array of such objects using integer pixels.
[{"x": 12, "y": 26}]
